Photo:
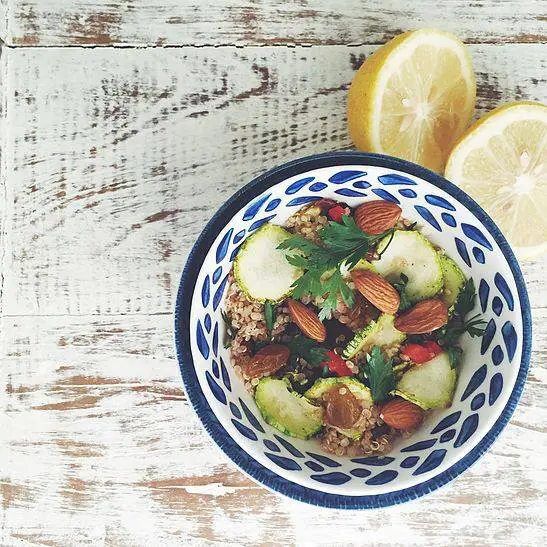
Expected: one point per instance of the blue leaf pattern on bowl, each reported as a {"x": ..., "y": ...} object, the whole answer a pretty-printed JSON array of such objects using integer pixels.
[
  {"x": 332, "y": 478},
  {"x": 438, "y": 201},
  {"x": 476, "y": 380},
  {"x": 462, "y": 250},
  {"x": 298, "y": 185},
  {"x": 433, "y": 460},
  {"x": 488, "y": 336},
  {"x": 450, "y": 420},
  {"x": 408, "y": 193},
  {"x": 505, "y": 291},
  {"x": 345, "y": 176},
  {"x": 289, "y": 447},
  {"x": 496, "y": 385},
  {"x": 395, "y": 178},
  {"x": 314, "y": 466},
  {"x": 497, "y": 355},
  {"x": 484, "y": 291},
  {"x": 384, "y": 194},
  {"x": 478, "y": 401},
  {"x": 222, "y": 248},
  {"x": 472, "y": 232},
  {"x": 479, "y": 255},
  {"x": 497, "y": 305},
  {"x": 244, "y": 430},
  {"x": 383, "y": 478},
  {"x": 428, "y": 217},
  {"x": 449, "y": 220},
  {"x": 469, "y": 426},
  {"x": 510, "y": 338}
]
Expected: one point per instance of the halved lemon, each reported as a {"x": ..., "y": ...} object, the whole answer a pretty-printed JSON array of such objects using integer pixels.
[
  {"x": 501, "y": 162},
  {"x": 413, "y": 97}
]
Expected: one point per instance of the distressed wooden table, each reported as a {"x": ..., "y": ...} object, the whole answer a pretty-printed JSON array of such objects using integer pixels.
[{"x": 112, "y": 160}]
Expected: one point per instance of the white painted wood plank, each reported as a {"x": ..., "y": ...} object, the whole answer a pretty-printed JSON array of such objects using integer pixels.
[
  {"x": 98, "y": 444},
  {"x": 229, "y": 22},
  {"x": 116, "y": 159}
]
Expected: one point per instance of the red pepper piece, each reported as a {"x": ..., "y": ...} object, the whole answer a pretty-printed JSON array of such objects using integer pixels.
[
  {"x": 337, "y": 365},
  {"x": 336, "y": 213},
  {"x": 421, "y": 353}
]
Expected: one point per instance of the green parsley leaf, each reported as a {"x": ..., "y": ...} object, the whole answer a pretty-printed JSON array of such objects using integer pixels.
[
  {"x": 466, "y": 298},
  {"x": 307, "y": 349},
  {"x": 269, "y": 315},
  {"x": 342, "y": 243},
  {"x": 400, "y": 287},
  {"x": 379, "y": 373},
  {"x": 458, "y": 325}
]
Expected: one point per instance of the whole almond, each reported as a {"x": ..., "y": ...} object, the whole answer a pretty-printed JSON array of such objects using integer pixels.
[
  {"x": 375, "y": 217},
  {"x": 425, "y": 316},
  {"x": 307, "y": 320},
  {"x": 401, "y": 414},
  {"x": 376, "y": 290}
]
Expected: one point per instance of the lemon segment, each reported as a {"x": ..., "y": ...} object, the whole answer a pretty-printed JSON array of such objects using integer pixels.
[
  {"x": 413, "y": 97},
  {"x": 501, "y": 162}
]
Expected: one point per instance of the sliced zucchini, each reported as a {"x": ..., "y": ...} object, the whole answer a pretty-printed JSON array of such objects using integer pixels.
[
  {"x": 411, "y": 254},
  {"x": 322, "y": 385},
  {"x": 361, "y": 265},
  {"x": 377, "y": 333},
  {"x": 430, "y": 385},
  {"x": 361, "y": 392},
  {"x": 261, "y": 269},
  {"x": 454, "y": 280},
  {"x": 286, "y": 410}
]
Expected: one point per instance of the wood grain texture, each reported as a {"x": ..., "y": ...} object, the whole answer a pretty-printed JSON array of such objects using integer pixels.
[
  {"x": 251, "y": 22},
  {"x": 101, "y": 446},
  {"x": 117, "y": 158},
  {"x": 112, "y": 161}
]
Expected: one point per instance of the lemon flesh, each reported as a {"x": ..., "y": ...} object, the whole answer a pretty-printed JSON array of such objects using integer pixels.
[
  {"x": 501, "y": 162},
  {"x": 413, "y": 98}
]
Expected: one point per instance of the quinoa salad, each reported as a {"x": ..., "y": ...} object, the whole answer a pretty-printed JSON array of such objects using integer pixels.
[{"x": 344, "y": 325}]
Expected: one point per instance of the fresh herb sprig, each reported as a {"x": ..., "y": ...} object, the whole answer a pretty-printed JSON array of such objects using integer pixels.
[
  {"x": 342, "y": 244},
  {"x": 307, "y": 349},
  {"x": 377, "y": 371},
  {"x": 458, "y": 324},
  {"x": 400, "y": 286}
]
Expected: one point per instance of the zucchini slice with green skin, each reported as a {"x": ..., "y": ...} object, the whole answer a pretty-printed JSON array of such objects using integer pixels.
[
  {"x": 430, "y": 385},
  {"x": 361, "y": 392},
  {"x": 411, "y": 254},
  {"x": 454, "y": 280},
  {"x": 361, "y": 265},
  {"x": 286, "y": 410},
  {"x": 261, "y": 269},
  {"x": 377, "y": 333},
  {"x": 322, "y": 385}
]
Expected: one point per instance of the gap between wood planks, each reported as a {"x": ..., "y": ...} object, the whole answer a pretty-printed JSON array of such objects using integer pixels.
[{"x": 250, "y": 45}]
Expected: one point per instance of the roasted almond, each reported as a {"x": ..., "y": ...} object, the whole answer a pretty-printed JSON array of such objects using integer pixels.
[
  {"x": 375, "y": 217},
  {"x": 401, "y": 414},
  {"x": 376, "y": 290},
  {"x": 307, "y": 320},
  {"x": 266, "y": 361},
  {"x": 425, "y": 316}
]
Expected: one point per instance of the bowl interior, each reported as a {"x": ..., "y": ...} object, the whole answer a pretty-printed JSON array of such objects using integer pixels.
[{"x": 487, "y": 374}]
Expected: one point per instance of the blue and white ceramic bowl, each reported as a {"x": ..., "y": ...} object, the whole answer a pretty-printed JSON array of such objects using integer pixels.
[{"x": 491, "y": 376}]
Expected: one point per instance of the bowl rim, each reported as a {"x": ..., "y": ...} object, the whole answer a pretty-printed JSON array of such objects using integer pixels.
[{"x": 246, "y": 463}]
